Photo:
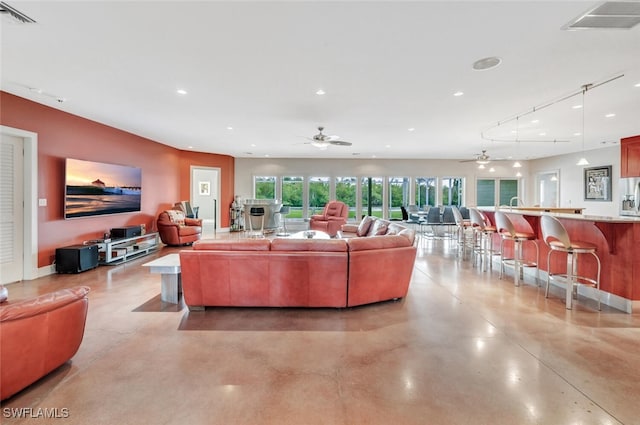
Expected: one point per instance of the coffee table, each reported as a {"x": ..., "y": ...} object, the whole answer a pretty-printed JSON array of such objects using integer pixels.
[
  {"x": 170, "y": 275},
  {"x": 302, "y": 235}
]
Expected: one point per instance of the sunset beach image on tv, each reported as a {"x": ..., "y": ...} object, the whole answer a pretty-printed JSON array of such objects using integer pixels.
[{"x": 95, "y": 188}]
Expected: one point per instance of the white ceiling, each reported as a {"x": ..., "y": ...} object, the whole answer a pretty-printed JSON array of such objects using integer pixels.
[{"x": 385, "y": 66}]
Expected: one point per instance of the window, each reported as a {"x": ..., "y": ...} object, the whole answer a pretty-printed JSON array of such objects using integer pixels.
[
  {"x": 486, "y": 192},
  {"x": 318, "y": 193},
  {"x": 372, "y": 196},
  {"x": 508, "y": 191},
  {"x": 452, "y": 191},
  {"x": 398, "y": 195},
  {"x": 346, "y": 192},
  {"x": 292, "y": 195},
  {"x": 425, "y": 191},
  {"x": 264, "y": 187},
  {"x": 490, "y": 190}
]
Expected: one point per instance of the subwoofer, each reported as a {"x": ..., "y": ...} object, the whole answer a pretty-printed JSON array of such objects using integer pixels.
[{"x": 76, "y": 258}]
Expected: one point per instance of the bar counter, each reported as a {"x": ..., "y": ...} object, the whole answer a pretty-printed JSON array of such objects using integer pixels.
[{"x": 618, "y": 242}]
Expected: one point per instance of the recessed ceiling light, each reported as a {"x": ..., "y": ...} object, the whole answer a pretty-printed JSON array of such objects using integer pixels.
[
  {"x": 458, "y": 93},
  {"x": 492, "y": 170},
  {"x": 636, "y": 85},
  {"x": 387, "y": 146},
  {"x": 253, "y": 145},
  {"x": 229, "y": 128},
  {"x": 190, "y": 147},
  {"x": 577, "y": 134},
  {"x": 181, "y": 91},
  {"x": 514, "y": 132},
  {"x": 481, "y": 167},
  {"x": 411, "y": 129},
  {"x": 486, "y": 63},
  {"x": 577, "y": 106},
  {"x": 610, "y": 115},
  {"x": 518, "y": 174},
  {"x": 373, "y": 156},
  {"x": 320, "y": 92},
  {"x": 266, "y": 155},
  {"x": 542, "y": 134},
  {"x": 535, "y": 121}
]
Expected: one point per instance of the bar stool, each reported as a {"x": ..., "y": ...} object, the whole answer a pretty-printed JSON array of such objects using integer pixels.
[
  {"x": 483, "y": 238},
  {"x": 508, "y": 232},
  {"x": 256, "y": 212},
  {"x": 284, "y": 210},
  {"x": 462, "y": 228},
  {"x": 557, "y": 239}
]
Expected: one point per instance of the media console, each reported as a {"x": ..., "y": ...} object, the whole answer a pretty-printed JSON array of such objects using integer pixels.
[{"x": 117, "y": 251}]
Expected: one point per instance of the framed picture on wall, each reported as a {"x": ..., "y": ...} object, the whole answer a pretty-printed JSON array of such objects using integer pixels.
[
  {"x": 205, "y": 188},
  {"x": 597, "y": 183}
]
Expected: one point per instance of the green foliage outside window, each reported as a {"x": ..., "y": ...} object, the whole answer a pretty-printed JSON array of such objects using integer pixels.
[
  {"x": 346, "y": 192},
  {"x": 265, "y": 187}
]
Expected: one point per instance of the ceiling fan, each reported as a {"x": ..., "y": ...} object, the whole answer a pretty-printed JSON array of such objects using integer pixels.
[
  {"x": 482, "y": 158},
  {"x": 322, "y": 141}
]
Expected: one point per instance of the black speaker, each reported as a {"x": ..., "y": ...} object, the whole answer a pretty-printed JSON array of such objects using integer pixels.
[
  {"x": 76, "y": 258},
  {"x": 126, "y": 232}
]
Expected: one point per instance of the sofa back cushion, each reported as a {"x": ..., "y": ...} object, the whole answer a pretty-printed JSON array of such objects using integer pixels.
[
  {"x": 397, "y": 229},
  {"x": 379, "y": 227},
  {"x": 232, "y": 245},
  {"x": 365, "y": 225},
  {"x": 380, "y": 242},
  {"x": 318, "y": 245}
]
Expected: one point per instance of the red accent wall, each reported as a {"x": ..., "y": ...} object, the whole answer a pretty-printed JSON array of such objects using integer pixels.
[{"x": 165, "y": 171}]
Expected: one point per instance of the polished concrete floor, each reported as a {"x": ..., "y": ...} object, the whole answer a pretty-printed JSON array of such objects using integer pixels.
[{"x": 464, "y": 347}]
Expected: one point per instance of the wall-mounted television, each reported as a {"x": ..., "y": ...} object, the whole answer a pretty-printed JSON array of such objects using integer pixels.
[{"x": 95, "y": 188}]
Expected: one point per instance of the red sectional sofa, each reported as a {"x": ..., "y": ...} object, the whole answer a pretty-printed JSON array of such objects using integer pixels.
[{"x": 297, "y": 272}]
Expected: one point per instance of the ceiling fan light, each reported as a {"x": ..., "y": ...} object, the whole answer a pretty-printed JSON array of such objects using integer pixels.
[
  {"x": 582, "y": 161},
  {"x": 517, "y": 164},
  {"x": 482, "y": 161},
  {"x": 481, "y": 167}
]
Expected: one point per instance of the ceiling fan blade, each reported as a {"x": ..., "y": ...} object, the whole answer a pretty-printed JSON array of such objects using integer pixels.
[{"x": 339, "y": 143}]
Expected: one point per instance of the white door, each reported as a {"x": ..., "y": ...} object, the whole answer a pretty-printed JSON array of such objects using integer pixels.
[{"x": 11, "y": 209}]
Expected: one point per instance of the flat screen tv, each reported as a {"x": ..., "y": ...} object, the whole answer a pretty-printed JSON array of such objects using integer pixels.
[{"x": 95, "y": 188}]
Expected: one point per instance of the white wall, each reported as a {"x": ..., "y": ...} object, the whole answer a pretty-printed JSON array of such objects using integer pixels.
[
  {"x": 571, "y": 175},
  {"x": 247, "y": 168},
  {"x": 572, "y": 179}
]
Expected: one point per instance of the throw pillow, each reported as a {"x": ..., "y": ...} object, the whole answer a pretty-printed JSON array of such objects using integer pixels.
[
  {"x": 176, "y": 217},
  {"x": 364, "y": 226},
  {"x": 379, "y": 228}
]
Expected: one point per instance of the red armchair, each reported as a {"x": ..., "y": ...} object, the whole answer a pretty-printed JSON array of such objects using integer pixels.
[
  {"x": 38, "y": 335},
  {"x": 176, "y": 229},
  {"x": 335, "y": 214}
]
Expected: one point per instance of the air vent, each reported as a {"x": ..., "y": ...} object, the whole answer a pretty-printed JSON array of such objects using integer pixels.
[
  {"x": 609, "y": 15},
  {"x": 14, "y": 15}
]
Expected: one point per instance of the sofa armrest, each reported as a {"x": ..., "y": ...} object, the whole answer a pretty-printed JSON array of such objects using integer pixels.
[
  {"x": 193, "y": 222},
  {"x": 350, "y": 228}
]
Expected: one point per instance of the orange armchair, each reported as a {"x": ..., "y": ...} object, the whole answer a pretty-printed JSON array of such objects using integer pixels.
[
  {"x": 38, "y": 335},
  {"x": 176, "y": 229},
  {"x": 335, "y": 214}
]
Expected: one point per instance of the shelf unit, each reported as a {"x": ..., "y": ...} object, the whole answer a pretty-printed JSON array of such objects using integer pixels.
[{"x": 117, "y": 251}]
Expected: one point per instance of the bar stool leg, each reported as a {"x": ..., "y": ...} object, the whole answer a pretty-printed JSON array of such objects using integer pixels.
[
  {"x": 570, "y": 285},
  {"x": 517, "y": 255}
]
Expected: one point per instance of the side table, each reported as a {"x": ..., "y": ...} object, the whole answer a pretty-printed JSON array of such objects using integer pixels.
[{"x": 169, "y": 269}]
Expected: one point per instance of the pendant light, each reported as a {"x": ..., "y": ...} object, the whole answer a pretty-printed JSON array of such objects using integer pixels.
[
  {"x": 583, "y": 159},
  {"x": 517, "y": 163}
]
